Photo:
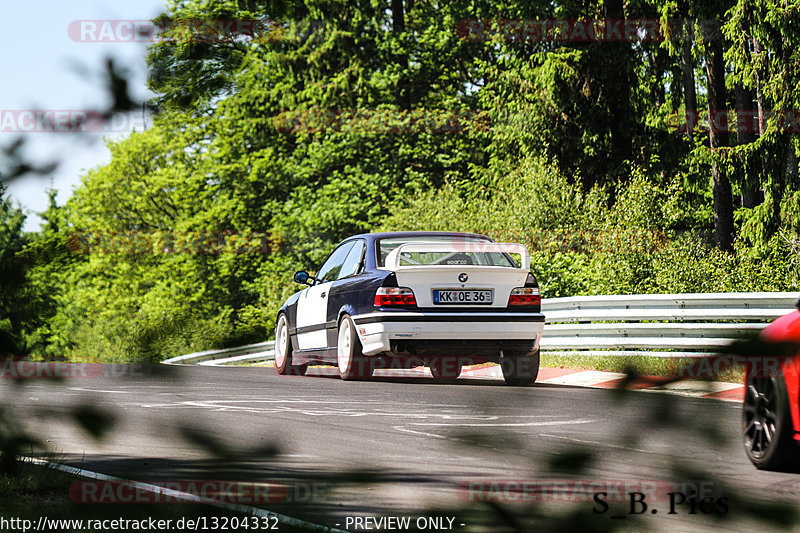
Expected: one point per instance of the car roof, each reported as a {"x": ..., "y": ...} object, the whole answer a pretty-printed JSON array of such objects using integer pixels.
[{"x": 388, "y": 234}]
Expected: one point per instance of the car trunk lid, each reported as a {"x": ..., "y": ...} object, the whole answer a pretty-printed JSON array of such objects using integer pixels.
[{"x": 460, "y": 275}]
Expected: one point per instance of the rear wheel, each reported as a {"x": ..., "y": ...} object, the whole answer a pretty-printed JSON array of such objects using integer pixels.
[
  {"x": 283, "y": 350},
  {"x": 352, "y": 363},
  {"x": 766, "y": 422},
  {"x": 520, "y": 368},
  {"x": 446, "y": 368}
]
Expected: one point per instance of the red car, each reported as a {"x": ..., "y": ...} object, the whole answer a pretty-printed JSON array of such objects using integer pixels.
[{"x": 771, "y": 415}]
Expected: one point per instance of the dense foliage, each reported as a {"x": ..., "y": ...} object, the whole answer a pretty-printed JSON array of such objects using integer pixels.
[{"x": 341, "y": 116}]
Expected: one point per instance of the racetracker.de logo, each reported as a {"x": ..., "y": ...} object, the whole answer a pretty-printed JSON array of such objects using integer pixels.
[
  {"x": 381, "y": 121},
  {"x": 11, "y": 368},
  {"x": 19, "y": 368},
  {"x": 50, "y": 121},
  {"x": 174, "y": 242},
  {"x": 69, "y": 121},
  {"x": 114, "y": 492},
  {"x": 585, "y": 30},
  {"x": 742, "y": 121},
  {"x": 581, "y": 490},
  {"x": 146, "y": 31}
]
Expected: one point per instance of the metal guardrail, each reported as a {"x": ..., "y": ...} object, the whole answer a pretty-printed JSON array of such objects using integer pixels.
[
  {"x": 261, "y": 351},
  {"x": 683, "y": 324},
  {"x": 655, "y": 325}
]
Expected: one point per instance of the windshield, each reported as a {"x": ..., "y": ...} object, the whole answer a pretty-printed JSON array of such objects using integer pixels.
[{"x": 385, "y": 246}]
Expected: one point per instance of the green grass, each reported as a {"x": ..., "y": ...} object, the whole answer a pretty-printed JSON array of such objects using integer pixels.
[
  {"x": 32, "y": 489},
  {"x": 641, "y": 364}
]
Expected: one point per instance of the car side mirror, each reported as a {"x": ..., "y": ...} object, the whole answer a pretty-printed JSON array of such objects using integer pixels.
[{"x": 301, "y": 277}]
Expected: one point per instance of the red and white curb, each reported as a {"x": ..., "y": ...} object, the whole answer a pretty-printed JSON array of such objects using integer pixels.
[
  {"x": 732, "y": 392},
  {"x": 718, "y": 390}
]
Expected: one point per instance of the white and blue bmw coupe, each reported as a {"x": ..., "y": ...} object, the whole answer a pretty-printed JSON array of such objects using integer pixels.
[{"x": 408, "y": 299}]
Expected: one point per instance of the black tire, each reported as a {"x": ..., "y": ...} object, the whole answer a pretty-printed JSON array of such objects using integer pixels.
[
  {"x": 351, "y": 361},
  {"x": 766, "y": 422},
  {"x": 446, "y": 368},
  {"x": 283, "y": 350},
  {"x": 520, "y": 368}
]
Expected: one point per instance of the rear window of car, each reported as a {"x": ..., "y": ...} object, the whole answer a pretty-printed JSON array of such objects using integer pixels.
[{"x": 385, "y": 246}]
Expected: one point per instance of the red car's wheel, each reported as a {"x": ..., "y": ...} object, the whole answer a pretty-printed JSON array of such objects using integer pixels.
[{"x": 766, "y": 422}]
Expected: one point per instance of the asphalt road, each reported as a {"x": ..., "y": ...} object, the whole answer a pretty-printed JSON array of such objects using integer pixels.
[{"x": 413, "y": 447}]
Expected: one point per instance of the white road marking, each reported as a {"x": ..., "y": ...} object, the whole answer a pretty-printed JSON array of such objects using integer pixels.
[
  {"x": 291, "y": 406},
  {"x": 520, "y": 424},
  {"x": 98, "y": 390},
  {"x": 596, "y": 443},
  {"x": 502, "y": 424},
  {"x": 406, "y": 430},
  {"x": 314, "y": 401}
]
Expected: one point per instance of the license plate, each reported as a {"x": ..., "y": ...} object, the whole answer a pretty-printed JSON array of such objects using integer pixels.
[{"x": 460, "y": 296}]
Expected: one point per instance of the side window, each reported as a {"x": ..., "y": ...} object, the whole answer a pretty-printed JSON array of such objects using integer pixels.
[
  {"x": 354, "y": 259},
  {"x": 329, "y": 270}
]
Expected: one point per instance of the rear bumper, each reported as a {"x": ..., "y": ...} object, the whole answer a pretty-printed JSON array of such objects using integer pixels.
[{"x": 426, "y": 332}]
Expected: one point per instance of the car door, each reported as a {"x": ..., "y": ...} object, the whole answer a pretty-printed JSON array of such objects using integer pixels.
[
  {"x": 312, "y": 306},
  {"x": 348, "y": 280}
]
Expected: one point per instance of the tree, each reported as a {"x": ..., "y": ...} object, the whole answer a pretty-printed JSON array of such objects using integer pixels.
[
  {"x": 201, "y": 45},
  {"x": 718, "y": 139},
  {"x": 764, "y": 39},
  {"x": 12, "y": 275}
]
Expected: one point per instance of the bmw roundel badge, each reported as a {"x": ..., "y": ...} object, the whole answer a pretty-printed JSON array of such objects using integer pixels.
[{"x": 463, "y": 277}]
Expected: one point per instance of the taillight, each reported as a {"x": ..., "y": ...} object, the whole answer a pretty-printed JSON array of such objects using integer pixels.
[
  {"x": 386, "y": 296},
  {"x": 525, "y": 296}
]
